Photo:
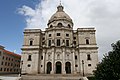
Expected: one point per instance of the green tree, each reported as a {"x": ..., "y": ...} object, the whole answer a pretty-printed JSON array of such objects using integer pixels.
[{"x": 109, "y": 68}]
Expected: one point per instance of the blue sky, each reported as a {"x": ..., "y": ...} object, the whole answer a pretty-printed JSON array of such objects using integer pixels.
[{"x": 12, "y": 24}]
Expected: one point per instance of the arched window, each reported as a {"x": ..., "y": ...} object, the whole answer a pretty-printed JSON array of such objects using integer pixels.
[
  {"x": 88, "y": 57},
  {"x": 87, "y": 41},
  {"x": 59, "y": 24},
  {"x": 51, "y": 26},
  {"x": 49, "y": 67},
  {"x": 69, "y": 25},
  {"x": 31, "y": 42}
]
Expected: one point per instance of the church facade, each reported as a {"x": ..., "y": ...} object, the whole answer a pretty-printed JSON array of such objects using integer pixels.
[{"x": 59, "y": 49}]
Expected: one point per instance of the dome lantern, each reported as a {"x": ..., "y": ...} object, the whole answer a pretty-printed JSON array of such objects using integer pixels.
[{"x": 60, "y": 8}]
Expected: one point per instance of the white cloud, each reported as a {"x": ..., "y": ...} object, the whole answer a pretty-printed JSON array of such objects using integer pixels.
[{"x": 103, "y": 14}]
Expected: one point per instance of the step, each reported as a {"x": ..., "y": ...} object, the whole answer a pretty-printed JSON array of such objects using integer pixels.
[{"x": 52, "y": 77}]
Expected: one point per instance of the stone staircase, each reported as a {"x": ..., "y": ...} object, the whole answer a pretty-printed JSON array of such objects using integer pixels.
[{"x": 53, "y": 77}]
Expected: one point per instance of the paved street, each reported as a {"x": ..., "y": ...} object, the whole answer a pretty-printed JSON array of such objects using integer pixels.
[{"x": 9, "y": 77}]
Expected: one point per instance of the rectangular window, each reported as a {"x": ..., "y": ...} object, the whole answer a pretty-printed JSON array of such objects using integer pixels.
[
  {"x": 67, "y": 35},
  {"x": 5, "y": 63},
  {"x": 0, "y": 69},
  {"x": 3, "y": 57},
  {"x": 58, "y": 42},
  {"x": 10, "y": 69},
  {"x": 41, "y": 57},
  {"x": 29, "y": 58},
  {"x": 89, "y": 64},
  {"x": 67, "y": 42},
  {"x": 75, "y": 57},
  {"x": 49, "y": 43},
  {"x": 58, "y": 34},
  {"x": 4, "y": 69},
  {"x": 0, "y": 53},
  {"x": 6, "y": 58},
  {"x": 2, "y": 63},
  {"x": 14, "y": 70}
]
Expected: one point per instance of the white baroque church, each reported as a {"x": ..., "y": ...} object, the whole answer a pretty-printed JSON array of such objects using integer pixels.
[{"x": 59, "y": 49}]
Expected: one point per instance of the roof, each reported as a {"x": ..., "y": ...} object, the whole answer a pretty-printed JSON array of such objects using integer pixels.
[
  {"x": 60, "y": 14},
  {"x": 8, "y": 52},
  {"x": 11, "y": 53}
]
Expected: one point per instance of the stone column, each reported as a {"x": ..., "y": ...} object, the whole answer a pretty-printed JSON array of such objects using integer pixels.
[
  {"x": 73, "y": 61},
  {"x": 63, "y": 62},
  {"x": 44, "y": 57},
  {"x": 52, "y": 71}
]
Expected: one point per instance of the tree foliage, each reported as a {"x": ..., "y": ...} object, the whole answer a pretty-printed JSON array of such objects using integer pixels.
[{"x": 109, "y": 68}]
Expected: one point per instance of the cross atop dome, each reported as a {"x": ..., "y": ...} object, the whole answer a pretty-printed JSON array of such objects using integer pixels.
[{"x": 60, "y": 2}]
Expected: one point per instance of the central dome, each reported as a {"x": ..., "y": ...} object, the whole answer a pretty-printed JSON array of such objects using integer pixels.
[{"x": 60, "y": 15}]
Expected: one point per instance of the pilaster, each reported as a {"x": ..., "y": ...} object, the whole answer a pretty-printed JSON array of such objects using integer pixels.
[
  {"x": 73, "y": 51},
  {"x": 43, "y": 62},
  {"x": 63, "y": 62},
  {"x": 53, "y": 62}
]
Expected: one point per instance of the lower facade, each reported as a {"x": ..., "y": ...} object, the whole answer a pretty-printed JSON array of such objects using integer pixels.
[{"x": 59, "y": 61}]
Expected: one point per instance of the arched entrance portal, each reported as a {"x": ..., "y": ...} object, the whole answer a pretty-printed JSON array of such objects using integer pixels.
[
  {"x": 58, "y": 67},
  {"x": 68, "y": 67},
  {"x": 49, "y": 67}
]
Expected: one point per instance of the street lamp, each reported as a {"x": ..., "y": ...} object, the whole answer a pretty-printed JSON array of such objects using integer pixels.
[{"x": 83, "y": 67}]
